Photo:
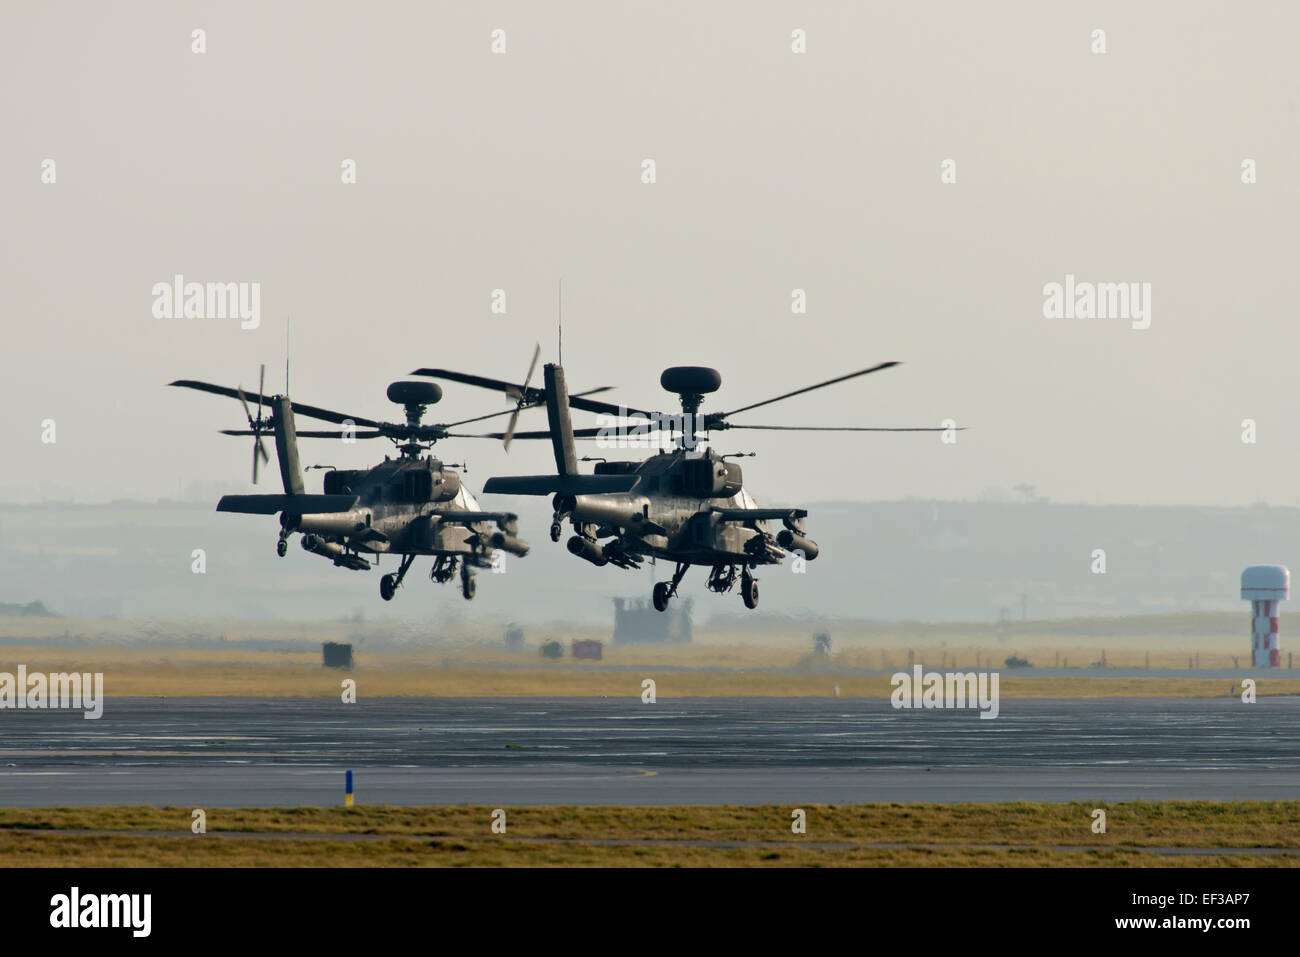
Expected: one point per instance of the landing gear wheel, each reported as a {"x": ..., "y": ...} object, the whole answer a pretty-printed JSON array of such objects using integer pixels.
[
  {"x": 388, "y": 587},
  {"x": 749, "y": 592},
  {"x": 660, "y": 596},
  {"x": 281, "y": 548},
  {"x": 467, "y": 587},
  {"x": 555, "y": 531}
]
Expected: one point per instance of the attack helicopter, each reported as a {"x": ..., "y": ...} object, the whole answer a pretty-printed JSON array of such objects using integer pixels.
[
  {"x": 687, "y": 505},
  {"x": 408, "y": 506}
]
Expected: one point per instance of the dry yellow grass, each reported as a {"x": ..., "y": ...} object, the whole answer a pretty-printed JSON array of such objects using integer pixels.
[
  {"x": 766, "y": 663},
  {"x": 174, "y": 672},
  {"x": 1207, "y": 641},
  {"x": 1135, "y": 823},
  {"x": 1005, "y": 835}
]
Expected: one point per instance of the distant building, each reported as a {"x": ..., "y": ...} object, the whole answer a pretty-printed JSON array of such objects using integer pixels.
[
  {"x": 514, "y": 637},
  {"x": 637, "y": 622},
  {"x": 336, "y": 654},
  {"x": 586, "y": 648}
]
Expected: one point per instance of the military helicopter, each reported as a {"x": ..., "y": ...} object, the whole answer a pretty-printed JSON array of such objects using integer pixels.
[
  {"x": 686, "y": 505},
  {"x": 408, "y": 506}
]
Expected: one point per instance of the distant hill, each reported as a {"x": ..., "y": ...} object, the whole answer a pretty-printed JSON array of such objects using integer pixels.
[
  {"x": 882, "y": 561},
  {"x": 33, "y": 609}
]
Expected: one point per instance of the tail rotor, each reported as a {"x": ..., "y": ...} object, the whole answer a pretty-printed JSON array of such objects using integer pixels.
[
  {"x": 258, "y": 424},
  {"x": 521, "y": 398}
]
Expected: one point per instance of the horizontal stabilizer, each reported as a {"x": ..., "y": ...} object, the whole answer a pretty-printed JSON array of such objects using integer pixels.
[
  {"x": 293, "y": 504},
  {"x": 750, "y": 514},
  {"x": 561, "y": 484}
]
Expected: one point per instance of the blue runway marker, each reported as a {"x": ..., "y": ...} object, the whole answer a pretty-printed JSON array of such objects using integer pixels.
[{"x": 349, "y": 791}]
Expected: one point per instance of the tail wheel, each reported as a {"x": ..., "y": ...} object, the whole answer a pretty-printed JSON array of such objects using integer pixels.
[
  {"x": 388, "y": 587},
  {"x": 749, "y": 592},
  {"x": 467, "y": 587},
  {"x": 660, "y": 596},
  {"x": 281, "y": 547}
]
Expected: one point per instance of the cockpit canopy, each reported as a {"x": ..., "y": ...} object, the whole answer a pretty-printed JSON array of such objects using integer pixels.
[
  {"x": 709, "y": 478},
  {"x": 343, "y": 482},
  {"x": 422, "y": 483}
]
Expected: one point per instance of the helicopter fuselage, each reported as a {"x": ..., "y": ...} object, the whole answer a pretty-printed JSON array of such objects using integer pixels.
[
  {"x": 683, "y": 508},
  {"x": 399, "y": 509}
]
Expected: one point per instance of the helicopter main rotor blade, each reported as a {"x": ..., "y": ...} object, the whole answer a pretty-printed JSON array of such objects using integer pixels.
[
  {"x": 530, "y": 405},
  {"x": 483, "y": 382},
  {"x": 839, "y": 428},
  {"x": 206, "y": 387},
  {"x": 579, "y": 435},
  {"x": 313, "y": 434},
  {"x": 591, "y": 433},
  {"x": 299, "y": 408},
  {"x": 621, "y": 411},
  {"x": 533, "y": 396},
  {"x": 819, "y": 385},
  {"x": 330, "y": 434},
  {"x": 494, "y": 436},
  {"x": 329, "y": 415},
  {"x": 478, "y": 418}
]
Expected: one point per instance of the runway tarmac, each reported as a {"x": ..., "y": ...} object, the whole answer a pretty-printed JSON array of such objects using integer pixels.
[{"x": 213, "y": 752}]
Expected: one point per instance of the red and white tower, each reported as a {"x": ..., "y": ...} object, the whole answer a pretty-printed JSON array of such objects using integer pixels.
[{"x": 1264, "y": 586}]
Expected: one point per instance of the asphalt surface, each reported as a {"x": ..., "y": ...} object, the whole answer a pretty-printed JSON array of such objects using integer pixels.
[{"x": 214, "y": 752}]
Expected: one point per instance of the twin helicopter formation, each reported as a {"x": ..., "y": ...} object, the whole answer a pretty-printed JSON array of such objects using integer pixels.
[{"x": 686, "y": 505}]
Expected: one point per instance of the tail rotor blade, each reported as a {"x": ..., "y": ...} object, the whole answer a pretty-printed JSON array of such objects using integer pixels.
[
  {"x": 521, "y": 396},
  {"x": 510, "y": 429},
  {"x": 255, "y": 423},
  {"x": 259, "y": 451},
  {"x": 537, "y": 351}
]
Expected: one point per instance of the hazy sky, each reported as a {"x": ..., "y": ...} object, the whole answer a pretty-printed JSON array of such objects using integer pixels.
[{"x": 775, "y": 171}]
